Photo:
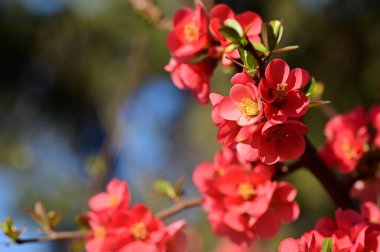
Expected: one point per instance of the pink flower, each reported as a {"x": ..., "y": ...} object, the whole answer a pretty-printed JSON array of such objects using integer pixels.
[
  {"x": 116, "y": 227},
  {"x": 280, "y": 89},
  {"x": 347, "y": 135},
  {"x": 227, "y": 130},
  {"x": 349, "y": 232},
  {"x": 282, "y": 209},
  {"x": 374, "y": 115},
  {"x": 116, "y": 196},
  {"x": 245, "y": 193},
  {"x": 243, "y": 105},
  {"x": 190, "y": 33},
  {"x": 250, "y": 22},
  {"x": 367, "y": 189},
  {"x": 278, "y": 142},
  {"x": 195, "y": 77}
]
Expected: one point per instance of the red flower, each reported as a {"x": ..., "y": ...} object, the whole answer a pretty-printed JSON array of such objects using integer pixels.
[
  {"x": 374, "y": 115},
  {"x": 277, "y": 142},
  {"x": 195, "y": 77},
  {"x": 282, "y": 209},
  {"x": 116, "y": 227},
  {"x": 347, "y": 135},
  {"x": 116, "y": 196},
  {"x": 243, "y": 105},
  {"x": 280, "y": 89},
  {"x": 190, "y": 34},
  {"x": 350, "y": 232}
]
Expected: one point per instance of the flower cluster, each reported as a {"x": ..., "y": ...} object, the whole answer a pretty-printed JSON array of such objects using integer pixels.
[
  {"x": 353, "y": 141},
  {"x": 196, "y": 45},
  {"x": 350, "y": 232},
  {"x": 241, "y": 200},
  {"x": 115, "y": 226},
  {"x": 263, "y": 120}
]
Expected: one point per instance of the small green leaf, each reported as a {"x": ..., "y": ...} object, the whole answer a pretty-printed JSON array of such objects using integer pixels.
[
  {"x": 278, "y": 29},
  {"x": 164, "y": 187},
  {"x": 232, "y": 23},
  {"x": 248, "y": 60},
  {"x": 198, "y": 58},
  {"x": 260, "y": 47},
  {"x": 311, "y": 87},
  {"x": 230, "y": 34},
  {"x": 286, "y": 49},
  {"x": 231, "y": 47},
  {"x": 82, "y": 222},
  {"x": 54, "y": 218},
  {"x": 314, "y": 104},
  {"x": 9, "y": 229},
  {"x": 326, "y": 245}
]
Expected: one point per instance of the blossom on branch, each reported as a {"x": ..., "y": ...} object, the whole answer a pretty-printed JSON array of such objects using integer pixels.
[{"x": 115, "y": 226}]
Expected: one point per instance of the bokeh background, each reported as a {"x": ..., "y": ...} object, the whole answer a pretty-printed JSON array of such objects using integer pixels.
[{"x": 84, "y": 98}]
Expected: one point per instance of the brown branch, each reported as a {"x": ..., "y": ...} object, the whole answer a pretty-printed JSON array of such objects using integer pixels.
[
  {"x": 178, "y": 207},
  {"x": 153, "y": 13},
  {"x": 54, "y": 236},
  {"x": 334, "y": 187}
]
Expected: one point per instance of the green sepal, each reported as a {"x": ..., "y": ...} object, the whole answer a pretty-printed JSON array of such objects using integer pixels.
[{"x": 260, "y": 48}]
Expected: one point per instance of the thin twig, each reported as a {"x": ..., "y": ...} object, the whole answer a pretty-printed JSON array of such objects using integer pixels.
[
  {"x": 154, "y": 14},
  {"x": 178, "y": 207},
  {"x": 54, "y": 236}
]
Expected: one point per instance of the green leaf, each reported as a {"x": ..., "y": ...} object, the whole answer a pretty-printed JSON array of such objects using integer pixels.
[
  {"x": 326, "y": 245},
  {"x": 198, "y": 58},
  {"x": 230, "y": 34},
  {"x": 260, "y": 47},
  {"x": 54, "y": 218},
  {"x": 277, "y": 28},
  {"x": 231, "y": 47},
  {"x": 286, "y": 49},
  {"x": 248, "y": 60},
  {"x": 9, "y": 229},
  {"x": 232, "y": 23},
  {"x": 164, "y": 187},
  {"x": 314, "y": 104},
  {"x": 311, "y": 87}
]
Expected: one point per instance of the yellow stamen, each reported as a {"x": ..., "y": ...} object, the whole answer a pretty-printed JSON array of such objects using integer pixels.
[
  {"x": 139, "y": 231},
  {"x": 99, "y": 233},
  {"x": 248, "y": 107},
  {"x": 247, "y": 191},
  {"x": 349, "y": 152},
  {"x": 280, "y": 93},
  {"x": 113, "y": 200},
  {"x": 191, "y": 32}
]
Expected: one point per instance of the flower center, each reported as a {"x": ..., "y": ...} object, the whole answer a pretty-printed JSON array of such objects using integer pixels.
[
  {"x": 191, "y": 32},
  {"x": 139, "y": 231},
  {"x": 277, "y": 134},
  {"x": 280, "y": 93},
  {"x": 349, "y": 151},
  {"x": 248, "y": 107},
  {"x": 99, "y": 233},
  {"x": 113, "y": 200},
  {"x": 246, "y": 190},
  {"x": 219, "y": 172}
]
